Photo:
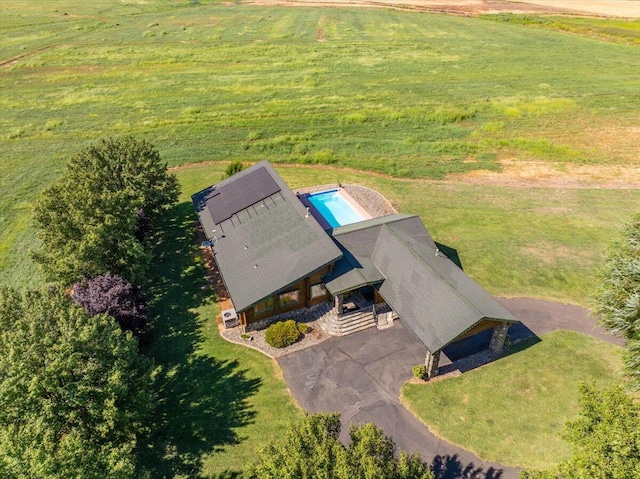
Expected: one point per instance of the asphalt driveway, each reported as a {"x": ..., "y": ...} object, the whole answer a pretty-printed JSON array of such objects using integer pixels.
[{"x": 360, "y": 376}]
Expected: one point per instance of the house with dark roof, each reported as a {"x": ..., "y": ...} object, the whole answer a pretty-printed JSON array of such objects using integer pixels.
[{"x": 276, "y": 259}]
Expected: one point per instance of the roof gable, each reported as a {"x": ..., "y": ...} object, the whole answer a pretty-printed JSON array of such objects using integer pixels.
[
  {"x": 432, "y": 309},
  {"x": 267, "y": 245},
  {"x": 430, "y": 293}
]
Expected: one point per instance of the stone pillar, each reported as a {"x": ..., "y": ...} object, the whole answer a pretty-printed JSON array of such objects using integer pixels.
[
  {"x": 432, "y": 362},
  {"x": 499, "y": 335},
  {"x": 338, "y": 300}
]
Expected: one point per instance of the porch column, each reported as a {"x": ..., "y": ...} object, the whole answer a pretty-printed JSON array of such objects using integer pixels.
[
  {"x": 432, "y": 362},
  {"x": 499, "y": 335},
  {"x": 338, "y": 300}
]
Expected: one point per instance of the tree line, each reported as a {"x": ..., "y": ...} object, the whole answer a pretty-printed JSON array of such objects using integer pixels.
[{"x": 75, "y": 391}]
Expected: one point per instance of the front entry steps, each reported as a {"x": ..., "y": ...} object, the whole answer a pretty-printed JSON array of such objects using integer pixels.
[{"x": 347, "y": 324}]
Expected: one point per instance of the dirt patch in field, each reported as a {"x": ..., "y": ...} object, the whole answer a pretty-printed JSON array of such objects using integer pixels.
[
  {"x": 605, "y": 8},
  {"x": 555, "y": 175},
  {"x": 621, "y": 141}
]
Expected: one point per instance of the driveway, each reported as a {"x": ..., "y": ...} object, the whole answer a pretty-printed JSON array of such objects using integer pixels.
[{"x": 361, "y": 375}]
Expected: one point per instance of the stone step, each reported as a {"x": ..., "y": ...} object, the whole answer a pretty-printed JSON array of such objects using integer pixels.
[
  {"x": 354, "y": 329},
  {"x": 351, "y": 324},
  {"x": 354, "y": 318}
]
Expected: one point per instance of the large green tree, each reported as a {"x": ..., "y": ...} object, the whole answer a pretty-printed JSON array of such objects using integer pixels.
[
  {"x": 618, "y": 297},
  {"x": 311, "y": 450},
  {"x": 605, "y": 438},
  {"x": 93, "y": 219},
  {"x": 74, "y": 391}
]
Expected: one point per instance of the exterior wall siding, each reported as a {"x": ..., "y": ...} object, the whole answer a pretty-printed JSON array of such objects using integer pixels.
[
  {"x": 304, "y": 299},
  {"x": 478, "y": 328}
]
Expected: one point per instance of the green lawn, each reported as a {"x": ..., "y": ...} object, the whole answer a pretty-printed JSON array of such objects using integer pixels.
[
  {"x": 408, "y": 94},
  {"x": 513, "y": 411},
  {"x": 533, "y": 242},
  {"x": 216, "y": 402}
]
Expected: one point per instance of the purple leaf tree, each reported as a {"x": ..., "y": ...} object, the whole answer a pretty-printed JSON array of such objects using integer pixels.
[{"x": 114, "y": 296}]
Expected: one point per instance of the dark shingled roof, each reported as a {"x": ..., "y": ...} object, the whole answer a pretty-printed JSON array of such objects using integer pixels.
[
  {"x": 269, "y": 243},
  {"x": 434, "y": 297}
]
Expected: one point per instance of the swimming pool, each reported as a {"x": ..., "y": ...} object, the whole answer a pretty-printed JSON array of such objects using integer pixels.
[{"x": 334, "y": 208}]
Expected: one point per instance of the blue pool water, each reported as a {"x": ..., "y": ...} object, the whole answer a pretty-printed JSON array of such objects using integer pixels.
[{"x": 334, "y": 209}]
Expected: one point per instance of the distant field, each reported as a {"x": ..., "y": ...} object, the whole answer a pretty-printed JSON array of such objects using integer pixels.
[
  {"x": 405, "y": 94},
  {"x": 603, "y": 8}
]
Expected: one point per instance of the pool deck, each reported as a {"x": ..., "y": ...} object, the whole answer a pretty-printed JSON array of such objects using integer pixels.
[{"x": 345, "y": 196}]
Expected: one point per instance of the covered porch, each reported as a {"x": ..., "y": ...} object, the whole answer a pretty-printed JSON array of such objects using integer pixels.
[{"x": 359, "y": 309}]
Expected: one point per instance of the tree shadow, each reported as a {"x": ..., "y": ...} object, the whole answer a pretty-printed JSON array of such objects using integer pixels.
[
  {"x": 450, "y": 253},
  {"x": 450, "y": 467},
  {"x": 199, "y": 401}
]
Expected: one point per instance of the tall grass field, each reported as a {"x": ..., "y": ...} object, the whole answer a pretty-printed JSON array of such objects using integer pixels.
[{"x": 406, "y": 94}]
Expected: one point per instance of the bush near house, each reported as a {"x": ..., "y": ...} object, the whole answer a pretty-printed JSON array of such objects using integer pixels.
[
  {"x": 234, "y": 167},
  {"x": 420, "y": 371},
  {"x": 304, "y": 328},
  {"x": 282, "y": 334}
]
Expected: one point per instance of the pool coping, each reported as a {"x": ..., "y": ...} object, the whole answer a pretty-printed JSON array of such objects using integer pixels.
[{"x": 368, "y": 203}]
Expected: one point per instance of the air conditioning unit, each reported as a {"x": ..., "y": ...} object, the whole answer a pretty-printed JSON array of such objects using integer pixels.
[{"x": 229, "y": 318}]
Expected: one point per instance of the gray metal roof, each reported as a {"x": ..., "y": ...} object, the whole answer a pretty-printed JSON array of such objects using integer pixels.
[
  {"x": 434, "y": 297},
  {"x": 266, "y": 246}
]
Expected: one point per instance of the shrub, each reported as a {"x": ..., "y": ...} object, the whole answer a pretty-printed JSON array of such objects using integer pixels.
[
  {"x": 420, "y": 371},
  {"x": 304, "y": 328},
  {"x": 232, "y": 168},
  {"x": 282, "y": 334}
]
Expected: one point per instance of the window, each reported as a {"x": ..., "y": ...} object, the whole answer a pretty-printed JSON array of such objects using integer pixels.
[
  {"x": 318, "y": 290},
  {"x": 263, "y": 306},
  {"x": 291, "y": 297}
]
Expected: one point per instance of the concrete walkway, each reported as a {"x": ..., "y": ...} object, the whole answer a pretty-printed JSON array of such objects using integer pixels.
[{"x": 361, "y": 375}]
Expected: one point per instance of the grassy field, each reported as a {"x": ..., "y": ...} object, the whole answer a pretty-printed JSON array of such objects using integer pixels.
[
  {"x": 216, "y": 402},
  {"x": 518, "y": 425},
  {"x": 534, "y": 242},
  {"x": 613, "y": 30},
  {"x": 411, "y": 95}
]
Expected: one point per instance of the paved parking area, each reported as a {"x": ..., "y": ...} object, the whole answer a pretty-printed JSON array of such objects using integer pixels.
[{"x": 360, "y": 376}]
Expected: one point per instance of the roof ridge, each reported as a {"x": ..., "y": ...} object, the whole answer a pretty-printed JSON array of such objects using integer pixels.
[
  {"x": 456, "y": 292},
  {"x": 371, "y": 223}
]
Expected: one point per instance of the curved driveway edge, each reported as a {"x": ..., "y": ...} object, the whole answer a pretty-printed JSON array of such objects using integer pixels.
[
  {"x": 541, "y": 316},
  {"x": 361, "y": 375}
]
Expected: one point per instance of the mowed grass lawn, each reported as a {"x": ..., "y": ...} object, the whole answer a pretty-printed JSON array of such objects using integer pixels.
[
  {"x": 216, "y": 403},
  {"x": 513, "y": 411},
  {"x": 407, "y": 94}
]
